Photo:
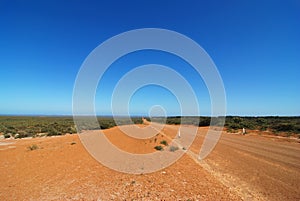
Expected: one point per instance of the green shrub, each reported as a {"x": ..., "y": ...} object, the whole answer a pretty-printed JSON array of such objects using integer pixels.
[
  {"x": 6, "y": 135},
  {"x": 263, "y": 128},
  {"x": 164, "y": 142},
  {"x": 283, "y": 127},
  {"x": 159, "y": 148},
  {"x": 52, "y": 132}
]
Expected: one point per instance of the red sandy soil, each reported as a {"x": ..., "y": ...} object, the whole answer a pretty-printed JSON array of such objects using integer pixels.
[{"x": 249, "y": 167}]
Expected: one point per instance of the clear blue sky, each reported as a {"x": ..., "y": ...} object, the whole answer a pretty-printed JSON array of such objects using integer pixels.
[{"x": 254, "y": 44}]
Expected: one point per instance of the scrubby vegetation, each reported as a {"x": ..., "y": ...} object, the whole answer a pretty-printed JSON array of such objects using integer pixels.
[
  {"x": 234, "y": 123},
  {"x": 20, "y": 127},
  {"x": 164, "y": 142},
  {"x": 274, "y": 124},
  {"x": 197, "y": 121},
  {"x": 36, "y": 126},
  {"x": 159, "y": 148}
]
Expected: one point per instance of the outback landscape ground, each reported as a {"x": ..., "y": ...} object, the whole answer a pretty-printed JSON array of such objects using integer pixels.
[{"x": 241, "y": 167}]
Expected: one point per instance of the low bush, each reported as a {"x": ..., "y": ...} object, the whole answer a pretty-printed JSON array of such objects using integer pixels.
[
  {"x": 159, "y": 148},
  {"x": 6, "y": 135},
  {"x": 164, "y": 142}
]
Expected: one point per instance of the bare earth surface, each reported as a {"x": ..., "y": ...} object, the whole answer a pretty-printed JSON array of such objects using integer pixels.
[{"x": 250, "y": 167}]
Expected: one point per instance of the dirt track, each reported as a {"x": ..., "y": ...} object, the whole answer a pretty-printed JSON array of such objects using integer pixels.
[
  {"x": 256, "y": 167},
  {"x": 247, "y": 167}
]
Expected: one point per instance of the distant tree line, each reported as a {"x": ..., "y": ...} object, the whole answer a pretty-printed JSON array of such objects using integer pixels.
[
  {"x": 272, "y": 123},
  {"x": 34, "y": 126},
  {"x": 234, "y": 123}
]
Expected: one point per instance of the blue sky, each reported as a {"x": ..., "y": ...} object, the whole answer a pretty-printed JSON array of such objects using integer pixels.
[{"x": 254, "y": 44}]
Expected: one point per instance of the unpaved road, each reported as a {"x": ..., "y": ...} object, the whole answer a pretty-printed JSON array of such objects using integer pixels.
[
  {"x": 240, "y": 167},
  {"x": 265, "y": 168},
  {"x": 257, "y": 168}
]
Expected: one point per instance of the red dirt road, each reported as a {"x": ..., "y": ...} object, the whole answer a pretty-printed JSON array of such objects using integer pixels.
[
  {"x": 247, "y": 167},
  {"x": 257, "y": 168}
]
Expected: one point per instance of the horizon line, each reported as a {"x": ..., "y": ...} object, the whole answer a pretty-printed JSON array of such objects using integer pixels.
[{"x": 88, "y": 115}]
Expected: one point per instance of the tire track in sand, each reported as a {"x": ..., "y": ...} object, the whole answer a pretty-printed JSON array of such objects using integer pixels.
[{"x": 242, "y": 189}]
